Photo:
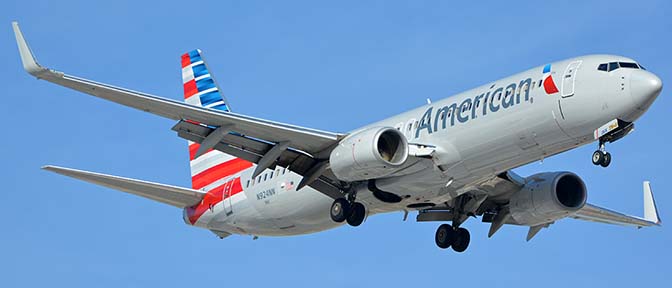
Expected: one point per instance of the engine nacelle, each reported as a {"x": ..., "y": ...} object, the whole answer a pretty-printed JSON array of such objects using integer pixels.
[
  {"x": 548, "y": 197},
  {"x": 368, "y": 154}
]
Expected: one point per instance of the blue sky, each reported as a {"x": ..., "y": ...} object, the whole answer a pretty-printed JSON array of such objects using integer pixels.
[{"x": 331, "y": 66}]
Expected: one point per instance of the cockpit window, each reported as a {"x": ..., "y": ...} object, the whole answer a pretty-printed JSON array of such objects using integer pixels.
[
  {"x": 628, "y": 65},
  {"x": 613, "y": 66}
]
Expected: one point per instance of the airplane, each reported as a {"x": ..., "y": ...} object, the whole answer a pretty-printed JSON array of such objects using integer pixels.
[{"x": 448, "y": 161}]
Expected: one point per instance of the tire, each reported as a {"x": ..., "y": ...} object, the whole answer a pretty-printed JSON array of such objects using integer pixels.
[
  {"x": 462, "y": 240},
  {"x": 357, "y": 214},
  {"x": 606, "y": 160},
  {"x": 598, "y": 157},
  {"x": 340, "y": 210},
  {"x": 445, "y": 236}
]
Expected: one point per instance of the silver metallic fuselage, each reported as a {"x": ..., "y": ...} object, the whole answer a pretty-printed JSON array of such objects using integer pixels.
[{"x": 475, "y": 145}]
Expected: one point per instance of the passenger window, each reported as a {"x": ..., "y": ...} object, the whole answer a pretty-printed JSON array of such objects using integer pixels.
[
  {"x": 539, "y": 82},
  {"x": 602, "y": 67},
  {"x": 534, "y": 84},
  {"x": 613, "y": 66},
  {"x": 271, "y": 177},
  {"x": 265, "y": 177},
  {"x": 248, "y": 183},
  {"x": 259, "y": 179}
]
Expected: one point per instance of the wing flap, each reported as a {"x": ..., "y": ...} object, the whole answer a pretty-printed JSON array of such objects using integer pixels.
[
  {"x": 252, "y": 150},
  {"x": 167, "y": 194}
]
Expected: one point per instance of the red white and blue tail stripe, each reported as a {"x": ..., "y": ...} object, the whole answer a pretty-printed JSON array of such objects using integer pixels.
[
  {"x": 200, "y": 88},
  {"x": 213, "y": 172}
]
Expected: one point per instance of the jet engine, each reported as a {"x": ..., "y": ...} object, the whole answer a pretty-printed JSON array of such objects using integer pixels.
[
  {"x": 547, "y": 197},
  {"x": 369, "y": 154}
]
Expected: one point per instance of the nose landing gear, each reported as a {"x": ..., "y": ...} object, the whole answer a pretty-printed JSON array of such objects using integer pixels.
[{"x": 601, "y": 157}]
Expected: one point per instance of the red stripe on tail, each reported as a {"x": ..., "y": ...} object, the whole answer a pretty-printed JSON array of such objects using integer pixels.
[
  {"x": 190, "y": 89},
  {"x": 193, "y": 148},
  {"x": 185, "y": 60},
  {"x": 217, "y": 172}
]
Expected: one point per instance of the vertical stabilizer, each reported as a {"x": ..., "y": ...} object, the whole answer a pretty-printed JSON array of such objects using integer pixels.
[{"x": 210, "y": 169}]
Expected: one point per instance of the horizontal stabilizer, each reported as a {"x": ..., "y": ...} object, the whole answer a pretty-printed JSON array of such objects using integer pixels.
[{"x": 171, "y": 195}]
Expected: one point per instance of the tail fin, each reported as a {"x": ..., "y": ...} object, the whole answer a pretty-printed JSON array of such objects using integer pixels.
[
  {"x": 214, "y": 168},
  {"x": 200, "y": 88}
]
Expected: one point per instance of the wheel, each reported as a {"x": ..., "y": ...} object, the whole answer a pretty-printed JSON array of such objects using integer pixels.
[
  {"x": 445, "y": 236},
  {"x": 461, "y": 240},
  {"x": 340, "y": 210},
  {"x": 606, "y": 160},
  {"x": 598, "y": 157},
  {"x": 357, "y": 214}
]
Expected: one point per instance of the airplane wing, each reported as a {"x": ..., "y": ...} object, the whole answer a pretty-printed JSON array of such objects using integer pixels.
[
  {"x": 167, "y": 194},
  {"x": 495, "y": 193},
  {"x": 504, "y": 185},
  {"x": 304, "y": 150},
  {"x": 603, "y": 215}
]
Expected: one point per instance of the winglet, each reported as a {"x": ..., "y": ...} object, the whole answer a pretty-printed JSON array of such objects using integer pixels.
[
  {"x": 650, "y": 210},
  {"x": 29, "y": 63}
]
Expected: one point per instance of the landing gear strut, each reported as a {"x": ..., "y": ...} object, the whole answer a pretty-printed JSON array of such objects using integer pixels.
[
  {"x": 457, "y": 237},
  {"x": 348, "y": 210},
  {"x": 601, "y": 156}
]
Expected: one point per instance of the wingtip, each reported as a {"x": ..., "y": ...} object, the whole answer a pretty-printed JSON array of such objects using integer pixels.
[
  {"x": 49, "y": 168},
  {"x": 27, "y": 58},
  {"x": 650, "y": 208}
]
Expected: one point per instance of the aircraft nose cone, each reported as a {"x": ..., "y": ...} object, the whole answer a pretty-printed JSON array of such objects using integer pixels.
[{"x": 644, "y": 88}]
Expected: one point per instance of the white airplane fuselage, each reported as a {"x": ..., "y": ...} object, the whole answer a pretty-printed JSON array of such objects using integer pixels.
[{"x": 496, "y": 127}]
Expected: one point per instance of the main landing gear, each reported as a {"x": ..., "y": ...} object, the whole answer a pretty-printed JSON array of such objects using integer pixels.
[
  {"x": 449, "y": 236},
  {"x": 601, "y": 156},
  {"x": 348, "y": 210}
]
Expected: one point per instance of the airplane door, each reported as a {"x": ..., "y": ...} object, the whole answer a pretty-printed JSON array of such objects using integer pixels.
[
  {"x": 569, "y": 79},
  {"x": 226, "y": 197}
]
